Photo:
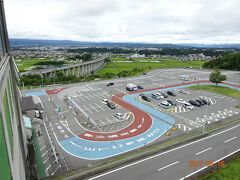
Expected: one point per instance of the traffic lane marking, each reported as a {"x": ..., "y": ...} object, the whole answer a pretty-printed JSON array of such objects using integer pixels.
[
  {"x": 230, "y": 139},
  {"x": 203, "y": 151},
  {"x": 171, "y": 150},
  {"x": 168, "y": 165}
]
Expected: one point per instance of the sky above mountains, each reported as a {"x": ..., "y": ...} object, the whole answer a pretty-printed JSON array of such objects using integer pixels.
[{"x": 149, "y": 21}]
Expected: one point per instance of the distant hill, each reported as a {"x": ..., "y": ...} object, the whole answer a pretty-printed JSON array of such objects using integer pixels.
[{"x": 36, "y": 42}]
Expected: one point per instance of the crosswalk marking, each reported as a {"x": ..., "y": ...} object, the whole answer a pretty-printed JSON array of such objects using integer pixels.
[{"x": 183, "y": 127}]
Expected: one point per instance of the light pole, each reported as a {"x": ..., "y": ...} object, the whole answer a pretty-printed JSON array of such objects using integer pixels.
[{"x": 54, "y": 75}]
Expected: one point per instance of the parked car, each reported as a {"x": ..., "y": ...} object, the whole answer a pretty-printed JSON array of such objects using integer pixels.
[
  {"x": 146, "y": 98},
  {"x": 162, "y": 94},
  {"x": 157, "y": 96},
  {"x": 141, "y": 94},
  {"x": 194, "y": 103},
  {"x": 182, "y": 91},
  {"x": 180, "y": 100},
  {"x": 165, "y": 105},
  {"x": 104, "y": 101},
  {"x": 170, "y": 93},
  {"x": 200, "y": 102},
  {"x": 110, "y": 84},
  {"x": 140, "y": 87},
  {"x": 171, "y": 102},
  {"x": 205, "y": 101},
  {"x": 188, "y": 106},
  {"x": 111, "y": 105},
  {"x": 119, "y": 116}
]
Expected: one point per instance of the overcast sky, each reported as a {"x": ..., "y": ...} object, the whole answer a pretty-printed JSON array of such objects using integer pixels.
[{"x": 155, "y": 21}]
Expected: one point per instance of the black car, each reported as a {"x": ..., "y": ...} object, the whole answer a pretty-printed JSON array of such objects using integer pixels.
[
  {"x": 164, "y": 95},
  {"x": 111, "y": 105},
  {"x": 110, "y": 84},
  {"x": 194, "y": 103},
  {"x": 200, "y": 102},
  {"x": 171, "y": 102},
  {"x": 140, "y": 87},
  {"x": 170, "y": 93},
  {"x": 146, "y": 98}
]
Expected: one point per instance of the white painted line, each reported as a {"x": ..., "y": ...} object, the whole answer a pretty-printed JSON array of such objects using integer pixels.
[
  {"x": 230, "y": 139},
  {"x": 168, "y": 165},
  {"x": 93, "y": 108},
  {"x": 108, "y": 120},
  {"x": 42, "y": 148},
  {"x": 48, "y": 168},
  {"x": 86, "y": 97},
  {"x": 203, "y": 151},
  {"x": 55, "y": 171},
  {"x": 101, "y": 107},
  {"x": 86, "y": 109},
  {"x": 44, "y": 154},
  {"x": 45, "y": 160}
]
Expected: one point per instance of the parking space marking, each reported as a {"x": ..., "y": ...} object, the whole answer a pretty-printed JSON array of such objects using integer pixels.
[
  {"x": 101, "y": 107},
  {"x": 94, "y": 108},
  {"x": 183, "y": 127},
  {"x": 86, "y": 109},
  {"x": 108, "y": 120}
]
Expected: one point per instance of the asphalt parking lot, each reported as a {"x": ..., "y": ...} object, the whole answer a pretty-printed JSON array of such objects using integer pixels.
[{"x": 187, "y": 119}]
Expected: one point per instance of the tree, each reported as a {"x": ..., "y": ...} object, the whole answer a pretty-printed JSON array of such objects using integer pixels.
[{"x": 217, "y": 77}]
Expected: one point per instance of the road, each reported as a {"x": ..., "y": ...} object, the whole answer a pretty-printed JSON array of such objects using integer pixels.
[{"x": 177, "y": 163}]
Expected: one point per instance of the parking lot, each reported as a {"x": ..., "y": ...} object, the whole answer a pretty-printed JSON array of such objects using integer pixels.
[{"x": 188, "y": 119}]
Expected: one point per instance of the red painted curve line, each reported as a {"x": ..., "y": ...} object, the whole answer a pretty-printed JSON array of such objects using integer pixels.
[
  {"x": 54, "y": 91},
  {"x": 141, "y": 123}
]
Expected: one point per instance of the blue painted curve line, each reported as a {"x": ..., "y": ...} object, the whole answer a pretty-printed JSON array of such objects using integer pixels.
[
  {"x": 94, "y": 150},
  {"x": 35, "y": 93}
]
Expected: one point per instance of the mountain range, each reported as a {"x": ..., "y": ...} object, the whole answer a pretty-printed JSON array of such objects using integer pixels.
[{"x": 39, "y": 42}]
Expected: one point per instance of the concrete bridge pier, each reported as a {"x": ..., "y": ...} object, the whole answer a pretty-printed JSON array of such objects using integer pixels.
[
  {"x": 66, "y": 72},
  {"x": 78, "y": 71}
]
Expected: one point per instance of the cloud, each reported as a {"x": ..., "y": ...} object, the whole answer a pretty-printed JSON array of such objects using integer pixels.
[{"x": 161, "y": 21}]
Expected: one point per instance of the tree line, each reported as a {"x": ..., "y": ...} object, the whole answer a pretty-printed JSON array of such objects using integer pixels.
[{"x": 229, "y": 61}]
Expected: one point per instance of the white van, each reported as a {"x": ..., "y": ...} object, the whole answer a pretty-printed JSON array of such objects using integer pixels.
[{"x": 184, "y": 78}]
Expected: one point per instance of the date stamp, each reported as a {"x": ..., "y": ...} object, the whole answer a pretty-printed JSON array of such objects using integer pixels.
[{"x": 195, "y": 163}]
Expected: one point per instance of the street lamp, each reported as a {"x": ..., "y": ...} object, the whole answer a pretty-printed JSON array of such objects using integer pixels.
[{"x": 54, "y": 75}]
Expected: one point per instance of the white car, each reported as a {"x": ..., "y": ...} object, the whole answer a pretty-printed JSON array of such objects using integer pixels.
[
  {"x": 188, "y": 107},
  {"x": 104, "y": 101},
  {"x": 182, "y": 91},
  {"x": 119, "y": 116},
  {"x": 165, "y": 105},
  {"x": 180, "y": 100}
]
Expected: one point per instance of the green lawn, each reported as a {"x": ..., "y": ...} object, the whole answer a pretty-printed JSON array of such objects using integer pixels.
[
  {"x": 116, "y": 67},
  {"x": 26, "y": 64},
  {"x": 218, "y": 89},
  {"x": 228, "y": 171}
]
